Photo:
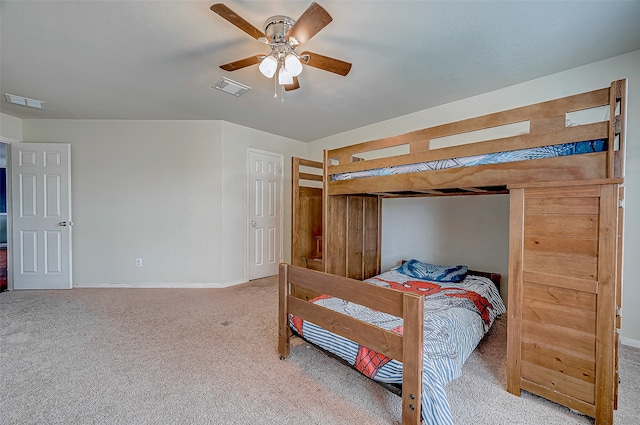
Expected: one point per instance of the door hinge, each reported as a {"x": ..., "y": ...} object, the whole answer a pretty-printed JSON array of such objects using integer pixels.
[
  {"x": 620, "y": 203},
  {"x": 618, "y": 311}
]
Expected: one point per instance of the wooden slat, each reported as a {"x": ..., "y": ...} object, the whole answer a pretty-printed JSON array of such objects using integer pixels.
[
  {"x": 564, "y": 191},
  {"x": 561, "y": 296},
  {"x": 412, "y": 361},
  {"x": 378, "y": 339},
  {"x": 563, "y": 248},
  {"x": 309, "y": 176},
  {"x": 372, "y": 296},
  {"x": 559, "y": 315},
  {"x": 309, "y": 163},
  {"x": 560, "y": 362},
  {"x": 514, "y": 306},
  {"x": 571, "y": 226},
  {"x": 579, "y": 344},
  {"x": 565, "y": 206},
  {"x": 560, "y": 267},
  {"x": 549, "y": 394},
  {"x": 568, "y": 282},
  {"x": 579, "y": 167},
  {"x": 559, "y": 382}
]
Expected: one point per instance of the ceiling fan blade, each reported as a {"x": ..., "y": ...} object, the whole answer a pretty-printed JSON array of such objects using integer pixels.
[
  {"x": 242, "y": 63},
  {"x": 312, "y": 20},
  {"x": 328, "y": 64},
  {"x": 294, "y": 86},
  {"x": 237, "y": 20}
]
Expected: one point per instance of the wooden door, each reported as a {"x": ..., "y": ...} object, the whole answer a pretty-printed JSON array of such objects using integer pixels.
[{"x": 562, "y": 296}]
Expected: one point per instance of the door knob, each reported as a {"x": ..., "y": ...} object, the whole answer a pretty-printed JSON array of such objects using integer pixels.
[
  {"x": 65, "y": 223},
  {"x": 253, "y": 223}
]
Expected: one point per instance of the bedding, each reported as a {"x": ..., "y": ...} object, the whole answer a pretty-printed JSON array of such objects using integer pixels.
[
  {"x": 456, "y": 317},
  {"x": 563, "y": 149}
]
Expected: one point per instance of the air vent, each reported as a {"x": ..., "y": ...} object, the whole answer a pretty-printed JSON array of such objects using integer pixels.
[
  {"x": 232, "y": 87},
  {"x": 23, "y": 101}
]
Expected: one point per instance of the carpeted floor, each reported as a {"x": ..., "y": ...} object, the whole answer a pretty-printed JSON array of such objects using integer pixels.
[{"x": 208, "y": 356}]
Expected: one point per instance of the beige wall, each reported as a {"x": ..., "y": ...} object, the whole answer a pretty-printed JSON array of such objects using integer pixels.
[
  {"x": 170, "y": 192},
  {"x": 422, "y": 241}
]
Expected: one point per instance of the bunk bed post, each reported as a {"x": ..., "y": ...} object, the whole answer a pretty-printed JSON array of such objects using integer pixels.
[
  {"x": 617, "y": 127},
  {"x": 412, "y": 362},
  {"x": 284, "y": 333},
  {"x": 606, "y": 312},
  {"x": 295, "y": 212},
  {"x": 514, "y": 321}
]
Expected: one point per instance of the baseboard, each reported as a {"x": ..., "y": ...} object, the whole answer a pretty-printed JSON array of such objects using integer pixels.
[
  {"x": 630, "y": 342},
  {"x": 151, "y": 285}
]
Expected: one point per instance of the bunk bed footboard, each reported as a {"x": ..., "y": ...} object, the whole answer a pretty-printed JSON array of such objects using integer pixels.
[{"x": 407, "y": 348}]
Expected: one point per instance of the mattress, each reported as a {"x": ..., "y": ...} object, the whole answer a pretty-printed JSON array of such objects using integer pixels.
[
  {"x": 563, "y": 149},
  {"x": 456, "y": 317}
]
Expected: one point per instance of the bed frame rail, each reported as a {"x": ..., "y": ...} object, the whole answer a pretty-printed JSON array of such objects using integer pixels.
[{"x": 406, "y": 348}]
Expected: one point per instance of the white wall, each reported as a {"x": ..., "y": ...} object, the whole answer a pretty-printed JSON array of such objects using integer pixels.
[
  {"x": 585, "y": 78},
  {"x": 234, "y": 210},
  {"x": 10, "y": 127},
  {"x": 169, "y": 192}
]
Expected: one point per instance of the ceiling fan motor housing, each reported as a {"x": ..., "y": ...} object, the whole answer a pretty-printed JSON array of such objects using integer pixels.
[{"x": 276, "y": 27}]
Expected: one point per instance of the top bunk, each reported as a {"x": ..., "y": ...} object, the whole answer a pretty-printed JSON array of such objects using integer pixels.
[{"x": 561, "y": 140}]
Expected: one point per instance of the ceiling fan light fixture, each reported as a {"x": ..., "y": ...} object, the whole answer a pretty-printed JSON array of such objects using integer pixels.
[
  {"x": 284, "y": 77},
  {"x": 293, "y": 65},
  {"x": 268, "y": 66}
]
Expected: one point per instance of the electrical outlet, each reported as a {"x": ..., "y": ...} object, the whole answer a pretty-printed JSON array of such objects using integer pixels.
[{"x": 138, "y": 262}]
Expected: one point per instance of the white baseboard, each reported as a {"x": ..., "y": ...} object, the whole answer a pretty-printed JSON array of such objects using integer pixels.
[
  {"x": 149, "y": 285},
  {"x": 630, "y": 342}
]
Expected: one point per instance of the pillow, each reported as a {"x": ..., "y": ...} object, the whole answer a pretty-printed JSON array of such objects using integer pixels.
[{"x": 434, "y": 272}]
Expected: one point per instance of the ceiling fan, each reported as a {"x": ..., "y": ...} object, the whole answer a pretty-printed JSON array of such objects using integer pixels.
[{"x": 283, "y": 35}]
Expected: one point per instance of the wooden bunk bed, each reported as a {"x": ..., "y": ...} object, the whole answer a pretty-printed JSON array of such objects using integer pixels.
[{"x": 565, "y": 248}]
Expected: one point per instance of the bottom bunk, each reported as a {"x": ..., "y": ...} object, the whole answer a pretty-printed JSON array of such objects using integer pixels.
[{"x": 411, "y": 325}]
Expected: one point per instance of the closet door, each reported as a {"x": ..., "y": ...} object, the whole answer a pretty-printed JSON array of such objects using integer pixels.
[{"x": 562, "y": 297}]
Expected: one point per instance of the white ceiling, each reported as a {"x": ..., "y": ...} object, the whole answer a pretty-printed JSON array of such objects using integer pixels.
[{"x": 157, "y": 60}]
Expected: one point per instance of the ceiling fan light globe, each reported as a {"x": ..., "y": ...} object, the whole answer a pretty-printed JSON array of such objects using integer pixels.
[
  {"x": 284, "y": 77},
  {"x": 293, "y": 65},
  {"x": 268, "y": 66}
]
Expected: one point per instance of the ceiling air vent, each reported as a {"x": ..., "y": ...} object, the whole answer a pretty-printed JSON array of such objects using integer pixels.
[
  {"x": 23, "y": 101},
  {"x": 232, "y": 87}
]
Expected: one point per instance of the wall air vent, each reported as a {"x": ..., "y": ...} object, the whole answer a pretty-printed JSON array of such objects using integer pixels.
[
  {"x": 23, "y": 101},
  {"x": 232, "y": 87}
]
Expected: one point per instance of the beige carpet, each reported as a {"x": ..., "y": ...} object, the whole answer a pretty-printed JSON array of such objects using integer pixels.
[{"x": 208, "y": 356}]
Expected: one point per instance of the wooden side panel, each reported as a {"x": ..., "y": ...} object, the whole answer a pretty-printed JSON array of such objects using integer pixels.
[
  {"x": 306, "y": 212},
  {"x": 558, "y": 331},
  {"x": 371, "y": 237},
  {"x": 335, "y": 234},
  {"x": 562, "y": 305},
  {"x": 352, "y": 236},
  {"x": 355, "y": 234}
]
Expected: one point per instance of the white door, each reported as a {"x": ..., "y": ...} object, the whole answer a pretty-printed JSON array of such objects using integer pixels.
[
  {"x": 41, "y": 215},
  {"x": 265, "y": 213}
]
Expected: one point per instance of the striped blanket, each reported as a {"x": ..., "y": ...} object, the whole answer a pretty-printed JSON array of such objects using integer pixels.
[{"x": 457, "y": 315}]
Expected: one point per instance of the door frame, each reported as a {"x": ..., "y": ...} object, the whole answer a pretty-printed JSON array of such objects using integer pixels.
[
  {"x": 280, "y": 156},
  {"x": 9, "y": 142}
]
